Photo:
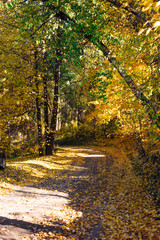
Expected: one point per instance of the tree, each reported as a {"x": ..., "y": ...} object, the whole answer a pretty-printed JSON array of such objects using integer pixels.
[
  {"x": 91, "y": 33},
  {"x": 124, "y": 62},
  {"x": 16, "y": 99}
]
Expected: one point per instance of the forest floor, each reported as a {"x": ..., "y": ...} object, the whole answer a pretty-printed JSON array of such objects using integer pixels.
[{"x": 78, "y": 193}]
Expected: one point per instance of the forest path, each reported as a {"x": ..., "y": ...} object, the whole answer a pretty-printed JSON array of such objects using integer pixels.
[
  {"x": 76, "y": 194},
  {"x": 24, "y": 211}
]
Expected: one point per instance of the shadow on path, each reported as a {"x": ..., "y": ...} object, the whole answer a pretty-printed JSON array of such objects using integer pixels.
[
  {"x": 56, "y": 226},
  {"x": 81, "y": 187},
  {"x": 84, "y": 188}
]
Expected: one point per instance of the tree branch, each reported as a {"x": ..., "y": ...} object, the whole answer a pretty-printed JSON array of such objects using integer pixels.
[
  {"x": 128, "y": 79},
  {"x": 128, "y": 9}
]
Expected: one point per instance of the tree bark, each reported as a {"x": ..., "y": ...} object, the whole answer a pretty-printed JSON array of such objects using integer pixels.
[
  {"x": 128, "y": 79},
  {"x": 39, "y": 124},
  {"x": 137, "y": 14},
  {"x": 46, "y": 115},
  {"x": 57, "y": 74},
  {"x": 136, "y": 91}
]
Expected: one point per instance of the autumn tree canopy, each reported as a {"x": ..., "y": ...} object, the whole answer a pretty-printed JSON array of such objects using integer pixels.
[{"x": 77, "y": 61}]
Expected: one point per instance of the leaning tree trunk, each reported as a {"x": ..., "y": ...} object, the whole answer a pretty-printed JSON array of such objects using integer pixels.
[
  {"x": 128, "y": 79},
  {"x": 39, "y": 124}
]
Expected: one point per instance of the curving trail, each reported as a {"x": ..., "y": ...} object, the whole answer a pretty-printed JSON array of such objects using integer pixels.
[
  {"x": 96, "y": 195},
  {"x": 24, "y": 210}
]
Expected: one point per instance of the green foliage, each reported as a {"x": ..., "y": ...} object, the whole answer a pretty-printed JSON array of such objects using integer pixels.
[
  {"x": 76, "y": 135},
  {"x": 94, "y": 36}
]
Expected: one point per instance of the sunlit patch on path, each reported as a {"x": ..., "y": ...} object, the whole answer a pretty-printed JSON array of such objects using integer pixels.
[
  {"x": 28, "y": 195},
  {"x": 28, "y": 203},
  {"x": 26, "y": 206},
  {"x": 78, "y": 194},
  {"x": 95, "y": 155}
]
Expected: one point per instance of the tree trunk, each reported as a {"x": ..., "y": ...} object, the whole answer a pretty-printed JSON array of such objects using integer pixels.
[
  {"x": 46, "y": 118},
  {"x": 51, "y": 135},
  {"x": 128, "y": 79},
  {"x": 130, "y": 82},
  {"x": 57, "y": 73},
  {"x": 39, "y": 124},
  {"x": 45, "y": 96}
]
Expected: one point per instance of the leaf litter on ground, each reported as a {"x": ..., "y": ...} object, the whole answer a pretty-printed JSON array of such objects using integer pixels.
[{"x": 110, "y": 204}]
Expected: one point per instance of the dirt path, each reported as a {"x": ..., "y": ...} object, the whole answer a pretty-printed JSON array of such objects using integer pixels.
[
  {"x": 23, "y": 211},
  {"x": 95, "y": 195}
]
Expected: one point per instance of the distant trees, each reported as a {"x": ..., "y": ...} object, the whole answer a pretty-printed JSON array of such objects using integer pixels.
[{"x": 79, "y": 53}]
